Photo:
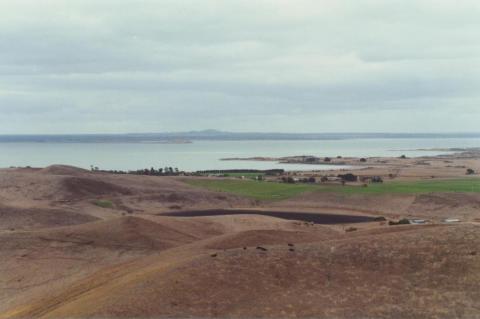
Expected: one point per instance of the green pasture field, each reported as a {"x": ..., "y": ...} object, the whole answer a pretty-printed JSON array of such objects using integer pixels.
[{"x": 275, "y": 191}]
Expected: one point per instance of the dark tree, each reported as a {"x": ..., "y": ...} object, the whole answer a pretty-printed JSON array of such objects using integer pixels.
[
  {"x": 377, "y": 179},
  {"x": 349, "y": 177}
]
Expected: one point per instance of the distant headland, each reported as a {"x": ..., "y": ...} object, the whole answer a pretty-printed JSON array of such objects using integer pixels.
[{"x": 188, "y": 137}]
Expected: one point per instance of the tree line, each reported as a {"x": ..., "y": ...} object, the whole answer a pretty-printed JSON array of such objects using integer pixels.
[{"x": 166, "y": 171}]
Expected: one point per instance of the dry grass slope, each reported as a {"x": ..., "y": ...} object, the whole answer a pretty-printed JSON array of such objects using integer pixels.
[{"x": 68, "y": 257}]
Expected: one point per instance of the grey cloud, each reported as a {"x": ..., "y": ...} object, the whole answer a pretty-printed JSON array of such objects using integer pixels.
[{"x": 168, "y": 64}]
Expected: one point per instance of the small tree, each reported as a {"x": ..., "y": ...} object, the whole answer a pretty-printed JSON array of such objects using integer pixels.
[
  {"x": 377, "y": 179},
  {"x": 349, "y": 177}
]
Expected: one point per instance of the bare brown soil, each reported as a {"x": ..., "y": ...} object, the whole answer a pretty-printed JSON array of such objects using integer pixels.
[{"x": 61, "y": 255}]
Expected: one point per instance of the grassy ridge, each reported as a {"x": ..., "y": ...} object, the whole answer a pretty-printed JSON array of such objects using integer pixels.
[{"x": 272, "y": 191}]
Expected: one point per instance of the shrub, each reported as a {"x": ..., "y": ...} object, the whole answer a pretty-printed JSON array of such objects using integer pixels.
[
  {"x": 470, "y": 171},
  {"x": 363, "y": 160},
  {"x": 402, "y": 221},
  {"x": 327, "y": 159},
  {"x": 349, "y": 177},
  {"x": 403, "y": 157},
  {"x": 377, "y": 179},
  {"x": 104, "y": 203}
]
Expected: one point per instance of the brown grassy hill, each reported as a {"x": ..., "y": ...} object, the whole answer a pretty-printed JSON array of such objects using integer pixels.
[
  {"x": 63, "y": 170},
  {"x": 63, "y": 185},
  {"x": 420, "y": 273},
  {"x": 125, "y": 233},
  {"x": 36, "y": 263},
  {"x": 17, "y": 218},
  {"x": 69, "y": 256},
  {"x": 75, "y": 188},
  {"x": 253, "y": 238}
]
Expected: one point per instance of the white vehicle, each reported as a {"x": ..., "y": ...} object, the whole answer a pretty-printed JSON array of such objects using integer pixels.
[
  {"x": 417, "y": 221},
  {"x": 451, "y": 220}
]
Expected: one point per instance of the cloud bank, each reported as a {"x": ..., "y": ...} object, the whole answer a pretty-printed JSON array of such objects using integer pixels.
[{"x": 269, "y": 65}]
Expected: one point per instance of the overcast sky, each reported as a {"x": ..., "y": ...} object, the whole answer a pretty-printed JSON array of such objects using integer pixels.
[{"x": 307, "y": 66}]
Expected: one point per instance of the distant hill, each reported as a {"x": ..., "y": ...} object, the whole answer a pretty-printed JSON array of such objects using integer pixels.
[{"x": 186, "y": 137}]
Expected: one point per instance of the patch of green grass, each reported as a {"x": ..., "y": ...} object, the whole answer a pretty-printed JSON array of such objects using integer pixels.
[
  {"x": 277, "y": 191},
  {"x": 103, "y": 203},
  {"x": 466, "y": 185},
  {"x": 254, "y": 189}
]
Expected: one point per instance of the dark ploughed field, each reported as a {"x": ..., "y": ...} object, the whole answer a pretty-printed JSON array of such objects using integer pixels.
[{"x": 317, "y": 218}]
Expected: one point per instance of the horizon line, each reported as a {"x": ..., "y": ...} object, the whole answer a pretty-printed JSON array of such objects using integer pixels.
[{"x": 214, "y": 131}]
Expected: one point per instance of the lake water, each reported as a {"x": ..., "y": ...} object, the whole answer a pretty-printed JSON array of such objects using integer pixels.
[{"x": 205, "y": 155}]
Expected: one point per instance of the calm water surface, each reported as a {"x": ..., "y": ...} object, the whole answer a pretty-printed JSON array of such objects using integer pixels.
[{"x": 204, "y": 155}]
